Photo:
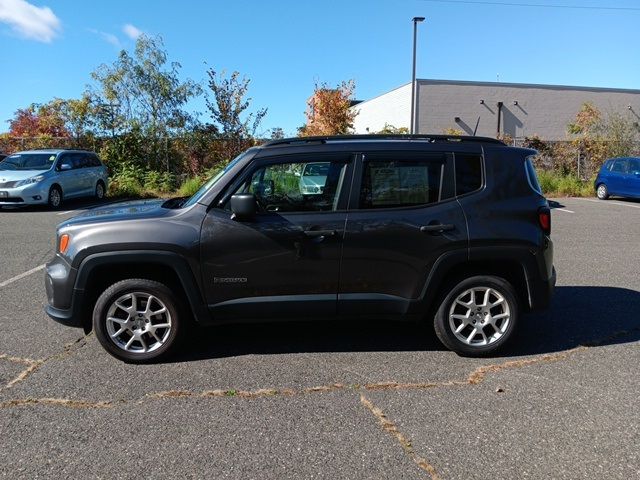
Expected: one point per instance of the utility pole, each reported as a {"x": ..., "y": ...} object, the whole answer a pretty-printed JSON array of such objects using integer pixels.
[{"x": 415, "y": 21}]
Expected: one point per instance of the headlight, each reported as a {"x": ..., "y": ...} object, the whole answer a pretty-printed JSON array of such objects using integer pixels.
[{"x": 29, "y": 181}]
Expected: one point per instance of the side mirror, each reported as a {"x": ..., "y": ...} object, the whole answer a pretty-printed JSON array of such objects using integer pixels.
[
  {"x": 243, "y": 205},
  {"x": 65, "y": 166}
]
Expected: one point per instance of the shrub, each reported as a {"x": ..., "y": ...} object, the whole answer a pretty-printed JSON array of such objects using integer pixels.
[
  {"x": 190, "y": 186},
  {"x": 162, "y": 182}
]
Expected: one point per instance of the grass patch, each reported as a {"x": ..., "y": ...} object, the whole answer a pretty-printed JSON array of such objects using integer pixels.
[{"x": 557, "y": 184}]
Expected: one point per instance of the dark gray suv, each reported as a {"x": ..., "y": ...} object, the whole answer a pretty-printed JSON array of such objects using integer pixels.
[{"x": 451, "y": 230}]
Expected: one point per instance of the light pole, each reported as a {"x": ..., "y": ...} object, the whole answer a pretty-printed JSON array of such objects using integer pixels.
[{"x": 415, "y": 21}]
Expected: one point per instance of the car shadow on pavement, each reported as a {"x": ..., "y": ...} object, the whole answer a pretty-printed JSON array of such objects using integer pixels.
[
  {"x": 578, "y": 316},
  {"x": 306, "y": 337}
]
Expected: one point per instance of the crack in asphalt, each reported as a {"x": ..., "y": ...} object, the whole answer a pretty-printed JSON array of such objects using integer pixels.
[
  {"x": 391, "y": 428},
  {"x": 34, "y": 365},
  {"x": 476, "y": 377}
]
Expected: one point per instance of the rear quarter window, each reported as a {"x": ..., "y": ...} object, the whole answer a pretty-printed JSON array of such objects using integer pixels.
[
  {"x": 468, "y": 173},
  {"x": 532, "y": 177}
]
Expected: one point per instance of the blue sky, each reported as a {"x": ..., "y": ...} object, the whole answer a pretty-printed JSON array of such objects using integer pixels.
[{"x": 286, "y": 46}]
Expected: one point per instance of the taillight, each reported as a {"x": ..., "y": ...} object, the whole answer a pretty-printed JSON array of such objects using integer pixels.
[{"x": 544, "y": 218}]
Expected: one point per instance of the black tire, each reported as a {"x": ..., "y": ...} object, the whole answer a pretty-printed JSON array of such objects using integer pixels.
[
  {"x": 602, "y": 192},
  {"x": 444, "y": 325},
  {"x": 137, "y": 287},
  {"x": 55, "y": 197},
  {"x": 100, "y": 190}
]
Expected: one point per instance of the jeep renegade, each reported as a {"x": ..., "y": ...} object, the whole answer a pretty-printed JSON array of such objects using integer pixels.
[{"x": 451, "y": 230}]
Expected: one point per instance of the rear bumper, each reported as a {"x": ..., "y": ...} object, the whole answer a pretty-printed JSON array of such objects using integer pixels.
[{"x": 541, "y": 292}]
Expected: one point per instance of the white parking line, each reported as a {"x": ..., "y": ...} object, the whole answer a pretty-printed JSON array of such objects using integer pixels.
[
  {"x": 22, "y": 275},
  {"x": 608, "y": 202},
  {"x": 563, "y": 210},
  {"x": 64, "y": 213}
]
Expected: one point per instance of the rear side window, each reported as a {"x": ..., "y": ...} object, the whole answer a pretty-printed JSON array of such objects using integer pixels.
[
  {"x": 620, "y": 166},
  {"x": 468, "y": 173},
  {"x": 94, "y": 161},
  {"x": 532, "y": 176},
  {"x": 79, "y": 160},
  {"x": 390, "y": 182}
]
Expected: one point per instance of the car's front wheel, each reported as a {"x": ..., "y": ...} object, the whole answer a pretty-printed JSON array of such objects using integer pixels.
[
  {"x": 137, "y": 320},
  {"x": 55, "y": 197},
  {"x": 478, "y": 316},
  {"x": 602, "y": 192}
]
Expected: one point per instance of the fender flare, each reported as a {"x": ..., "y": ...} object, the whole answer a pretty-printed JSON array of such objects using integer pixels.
[{"x": 172, "y": 260}]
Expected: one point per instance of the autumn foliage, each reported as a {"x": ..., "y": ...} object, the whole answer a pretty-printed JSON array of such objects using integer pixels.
[
  {"x": 38, "y": 120},
  {"x": 328, "y": 110}
]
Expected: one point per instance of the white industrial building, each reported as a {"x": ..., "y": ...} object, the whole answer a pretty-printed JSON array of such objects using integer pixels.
[{"x": 491, "y": 108}]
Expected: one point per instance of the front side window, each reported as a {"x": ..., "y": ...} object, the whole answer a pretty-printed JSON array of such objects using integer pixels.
[
  {"x": 390, "y": 183},
  {"x": 296, "y": 187}
]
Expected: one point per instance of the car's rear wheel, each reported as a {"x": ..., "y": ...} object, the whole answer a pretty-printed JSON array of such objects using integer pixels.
[
  {"x": 137, "y": 320},
  {"x": 55, "y": 197},
  {"x": 478, "y": 316},
  {"x": 100, "y": 191},
  {"x": 602, "y": 192}
]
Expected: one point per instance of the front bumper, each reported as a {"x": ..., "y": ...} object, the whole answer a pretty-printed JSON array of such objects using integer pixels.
[
  {"x": 34, "y": 194},
  {"x": 65, "y": 302}
]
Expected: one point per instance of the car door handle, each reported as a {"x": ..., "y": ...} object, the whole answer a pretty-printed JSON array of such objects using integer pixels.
[
  {"x": 319, "y": 233},
  {"x": 437, "y": 228}
]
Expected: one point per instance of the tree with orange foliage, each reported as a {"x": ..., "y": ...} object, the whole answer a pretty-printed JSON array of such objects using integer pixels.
[
  {"x": 38, "y": 120},
  {"x": 328, "y": 110}
]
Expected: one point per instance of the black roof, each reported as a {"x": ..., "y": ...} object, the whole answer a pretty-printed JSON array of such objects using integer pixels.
[{"x": 351, "y": 138}]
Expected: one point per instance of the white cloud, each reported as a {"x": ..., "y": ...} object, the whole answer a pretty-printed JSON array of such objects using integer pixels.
[
  {"x": 107, "y": 37},
  {"x": 110, "y": 38},
  {"x": 131, "y": 31},
  {"x": 29, "y": 21}
]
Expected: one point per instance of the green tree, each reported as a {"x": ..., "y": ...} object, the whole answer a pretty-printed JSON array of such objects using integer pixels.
[
  {"x": 142, "y": 92},
  {"x": 228, "y": 105},
  {"x": 389, "y": 129}
]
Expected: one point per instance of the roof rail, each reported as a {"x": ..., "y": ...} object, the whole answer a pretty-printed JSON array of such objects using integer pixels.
[{"x": 343, "y": 138}]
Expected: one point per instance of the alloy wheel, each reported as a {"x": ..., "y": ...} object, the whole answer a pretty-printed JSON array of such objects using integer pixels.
[
  {"x": 138, "y": 322},
  {"x": 54, "y": 197},
  {"x": 479, "y": 316}
]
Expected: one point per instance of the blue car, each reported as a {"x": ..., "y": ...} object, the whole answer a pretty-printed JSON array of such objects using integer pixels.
[
  {"x": 619, "y": 176},
  {"x": 41, "y": 177}
]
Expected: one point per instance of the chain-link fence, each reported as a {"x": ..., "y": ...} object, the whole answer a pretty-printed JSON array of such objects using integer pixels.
[
  {"x": 193, "y": 153},
  {"x": 190, "y": 154},
  {"x": 582, "y": 158}
]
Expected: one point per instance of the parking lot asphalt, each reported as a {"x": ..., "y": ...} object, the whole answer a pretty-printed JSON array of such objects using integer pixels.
[{"x": 332, "y": 400}]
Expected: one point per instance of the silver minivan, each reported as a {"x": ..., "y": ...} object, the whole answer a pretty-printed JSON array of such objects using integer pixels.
[{"x": 40, "y": 177}]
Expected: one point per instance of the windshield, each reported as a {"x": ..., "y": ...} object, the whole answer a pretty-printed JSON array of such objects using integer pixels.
[
  {"x": 28, "y": 161},
  {"x": 212, "y": 181}
]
